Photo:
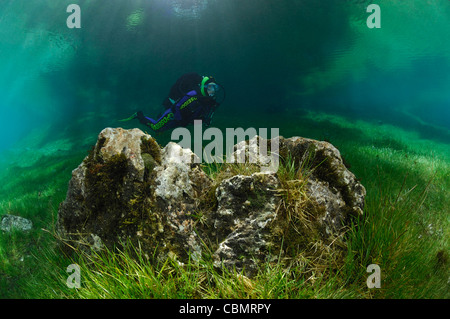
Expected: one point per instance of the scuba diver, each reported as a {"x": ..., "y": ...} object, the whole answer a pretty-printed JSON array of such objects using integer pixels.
[{"x": 192, "y": 97}]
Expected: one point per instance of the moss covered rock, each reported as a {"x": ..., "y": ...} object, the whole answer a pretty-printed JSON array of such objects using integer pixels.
[{"x": 129, "y": 189}]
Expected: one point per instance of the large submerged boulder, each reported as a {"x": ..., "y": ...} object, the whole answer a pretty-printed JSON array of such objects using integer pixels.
[{"x": 129, "y": 189}]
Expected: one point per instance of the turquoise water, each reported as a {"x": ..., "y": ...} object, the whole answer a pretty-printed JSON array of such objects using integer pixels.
[
  {"x": 276, "y": 59},
  {"x": 311, "y": 68}
]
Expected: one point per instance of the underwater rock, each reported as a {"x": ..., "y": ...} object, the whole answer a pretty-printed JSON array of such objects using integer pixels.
[
  {"x": 10, "y": 222},
  {"x": 266, "y": 215},
  {"x": 246, "y": 207},
  {"x": 331, "y": 186},
  {"x": 129, "y": 189}
]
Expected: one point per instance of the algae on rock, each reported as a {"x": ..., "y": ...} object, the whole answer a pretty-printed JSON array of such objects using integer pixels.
[{"x": 130, "y": 189}]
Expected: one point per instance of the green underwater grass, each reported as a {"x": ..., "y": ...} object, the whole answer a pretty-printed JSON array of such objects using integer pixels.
[
  {"x": 405, "y": 230},
  {"x": 32, "y": 192}
]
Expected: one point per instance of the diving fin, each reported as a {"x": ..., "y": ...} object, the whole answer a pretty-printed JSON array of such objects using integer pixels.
[{"x": 132, "y": 117}]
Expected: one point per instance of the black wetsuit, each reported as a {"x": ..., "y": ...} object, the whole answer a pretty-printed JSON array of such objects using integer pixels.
[{"x": 184, "y": 104}]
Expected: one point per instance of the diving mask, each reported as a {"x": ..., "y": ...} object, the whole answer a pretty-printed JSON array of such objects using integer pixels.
[{"x": 212, "y": 88}]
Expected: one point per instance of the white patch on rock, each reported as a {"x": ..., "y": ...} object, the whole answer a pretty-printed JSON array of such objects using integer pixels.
[
  {"x": 128, "y": 142},
  {"x": 173, "y": 175}
]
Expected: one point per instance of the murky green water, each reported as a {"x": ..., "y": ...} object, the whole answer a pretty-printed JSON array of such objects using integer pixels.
[{"x": 276, "y": 59}]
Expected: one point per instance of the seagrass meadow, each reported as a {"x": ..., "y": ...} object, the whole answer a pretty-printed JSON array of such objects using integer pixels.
[{"x": 312, "y": 69}]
